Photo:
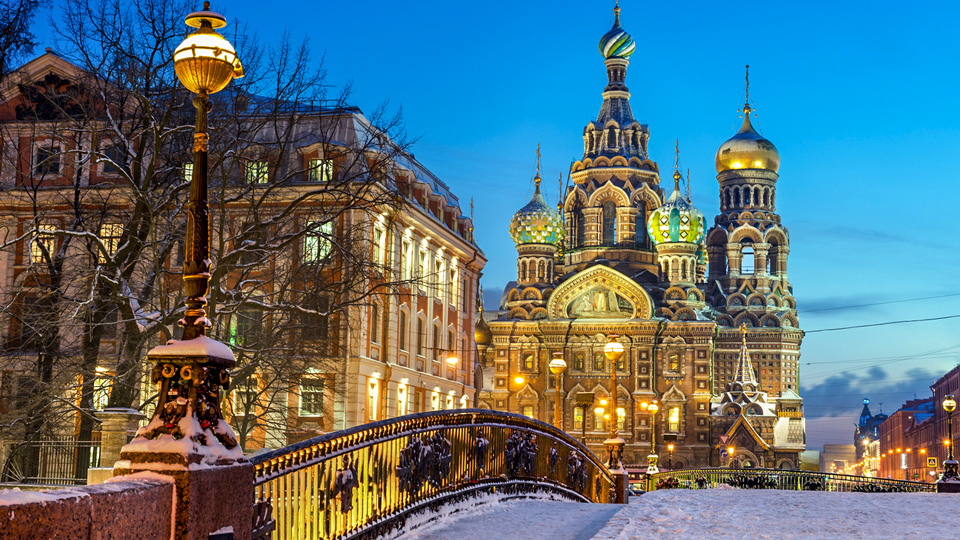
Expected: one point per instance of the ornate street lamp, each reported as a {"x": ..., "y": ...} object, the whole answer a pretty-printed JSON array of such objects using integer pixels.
[
  {"x": 652, "y": 458},
  {"x": 557, "y": 366},
  {"x": 452, "y": 359},
  {"x": 205, "y": 63},
  {"x": 191, "y": 372},
  {"x": 670, "y": 449},
  {"x": 949, "y": 475},
  {"x": 613, "y": 351}
]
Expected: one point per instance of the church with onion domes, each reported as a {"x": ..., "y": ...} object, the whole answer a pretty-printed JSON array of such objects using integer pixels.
[{"x": 705, "y": 313}]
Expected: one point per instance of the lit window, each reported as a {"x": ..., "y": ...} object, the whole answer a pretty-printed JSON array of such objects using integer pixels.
[
  {"x": 528, "y": 411},
  {"x": 598, "y": 363},
  {"x": 674, "y": 419},
  {"x": 598, "y": 419},
  {"x": 577, "y": 418},
  {"x": 46, "y": 160},
  {"x": 674, "y": 363},
  {"x": 621, "y": 419},
  {"x": 110, "y": 236},
  {"x": 528, "y": 362},
  {"x": 187, "y": 171},
  {"x": 578, "y": 361},
  {"x": 311, "y": 398},
  {"x": 378, "y": 248},
  {"x": 244, "y": 327},
  {"x": 257, "y": 172},
  {"x": 101, "y": 389},
  {"x": 321, "y": 170},
  {"x": 373, "y": 400},
  {"x": 405, "y": 259},
  {"x": 44, "y": 241},
  {"x": 316, "y": 242}
]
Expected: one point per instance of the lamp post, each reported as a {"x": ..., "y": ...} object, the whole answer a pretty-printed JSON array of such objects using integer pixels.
[
  {"x": 557, "y": 366},
  {"x": 584, "y": 401},
  {"x": 205, "y": 63},
  {"x": 652, "y": 458},
  {"x": 730, "y": 452},
  {"x": 670, "y": 449},
  {"x": 949, "y": 481},
  {"x": 613, "y": 351}
]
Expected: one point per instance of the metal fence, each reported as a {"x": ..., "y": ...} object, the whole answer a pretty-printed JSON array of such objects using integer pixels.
[
  {"x": 780, "y": 479},
  {"x": 58, "y": 461},
  {"x": 368, "y": 480}
]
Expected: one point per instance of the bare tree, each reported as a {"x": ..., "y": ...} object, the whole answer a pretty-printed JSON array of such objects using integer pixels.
[{"x": 16, "y": 39}]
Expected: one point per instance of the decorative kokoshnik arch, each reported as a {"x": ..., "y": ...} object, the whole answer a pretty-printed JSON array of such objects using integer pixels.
[{"x": 600, "y": 292}]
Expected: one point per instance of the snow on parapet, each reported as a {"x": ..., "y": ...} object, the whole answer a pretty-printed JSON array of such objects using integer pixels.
[{"x": 188, "y": 447}]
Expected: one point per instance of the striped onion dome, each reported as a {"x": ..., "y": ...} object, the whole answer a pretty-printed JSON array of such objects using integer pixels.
[{"x": 617, "y": 43}]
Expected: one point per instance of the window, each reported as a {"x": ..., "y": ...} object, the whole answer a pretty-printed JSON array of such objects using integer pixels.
[
  {"x": 748, "y": 261},
  {"x": 244, "y": 326},
  {"x": 316, "y": 242},
  {"x": 435, "y": 353},
  {"x": 321, "y": 170},
  {"x": 463, "y": 296},
  {"x": 528, "y": 411},
  {"x": 598, "y": 419},
  {"x": 101, "y": 389},
  {"x": 187, "y": 172},
  {"x": 114, "y": 160},
  {"x": 528, "y": 362},
  {"x": 44, "y": 241},
  {"x": 609, "y": 223},
  {"x": 580, "y": 225},
  {"x": 673, "y": 420},
  {"x": 421, "y": 328},
  {"x": 315, "y": 324},
  {"x": 402, "y": 334},
  {"x": 598, "y": 362},
  {"x": 621, "y": 419},
  {"x": 245, "y": 395},
  {"x": 577, "y": 418},
  {"x": 674, "y": 362},
  {"x": 378, "y": 251},
  {"x": 110, "y": 236},
  {"x": 437, "y": 277},
  {"x": 257, "y": 172},
  {"x": 451, "y": 345},
  {"x": 311, "y": 397},
  {"x": 405, "y": 259},
  {"x": 622, "y": 363},
  {"x": 641, "y": 219},
  {"x": 46, "y": 160},
  {"x": 578, "y": 360},
  {"x": 452, "y": 288},
  {"x": 374, "y": 324}
]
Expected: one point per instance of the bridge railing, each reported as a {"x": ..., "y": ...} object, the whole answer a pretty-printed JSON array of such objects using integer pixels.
[
  {"x": 780, "y": 479},
  {"x": 368, "y": 480}
]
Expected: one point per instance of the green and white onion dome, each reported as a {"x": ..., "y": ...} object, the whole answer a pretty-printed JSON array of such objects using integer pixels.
[
  {"x": 676, "y": 221},
  {"x": 537, "y": 222},
  {"x": 617, "y": 43}
]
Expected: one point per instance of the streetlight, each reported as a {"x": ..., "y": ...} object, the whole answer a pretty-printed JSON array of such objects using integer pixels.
[
  {"x": 949, "y": 478},
  {"x": 613, "y": 351},
  {"x": 950, "y": 405},
  {"x": 205, "y": 63},
  {"x": 652, "y": 457},
  {"x": 670, "y": 449},
  {"x": 452, "y": 359},
  {"x": 731, "y": 450},
  {"x": 583, "y": 402},
  {"x": 557, "y": 366}
]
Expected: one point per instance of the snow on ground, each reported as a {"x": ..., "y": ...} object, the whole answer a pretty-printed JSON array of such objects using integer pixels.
[
  {"x": 727, "y": 513},
  {"x": 521, "y": 519}
]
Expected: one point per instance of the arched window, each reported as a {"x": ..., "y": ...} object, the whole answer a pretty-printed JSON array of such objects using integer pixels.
[
  {"x": 674, "y": 419},
  {"x": 436, "y": 342},
  {"x": 402, "y": 334},
  {"x": 580, "y": 227},
  {"x": 421, "y": 329},
  {"x": 609, "y": 223},
  {"x": 641, "y": 227},
  {"x": 374, "y": 324},
  {"x": 736, "y": 198},
  {"x": 747, "y": 260},
  {"x": 612, "y": 138}
]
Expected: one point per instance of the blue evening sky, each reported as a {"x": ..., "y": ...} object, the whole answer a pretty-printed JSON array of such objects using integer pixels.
[{"x": 860, "y": 98}]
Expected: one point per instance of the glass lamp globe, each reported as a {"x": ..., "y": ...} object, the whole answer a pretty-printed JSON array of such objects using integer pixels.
[
  {"x": 557, "y": 364},
  {"x": 452, "y": 360},
  {"x": 205, "y": 62},
  {"x": 653, "y": 408},
  {"x": 949, "y": 403},
  {"x": 613, "y": 350}
]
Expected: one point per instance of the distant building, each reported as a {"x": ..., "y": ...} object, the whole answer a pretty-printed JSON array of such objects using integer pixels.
[
  {"x": 866, "y": 438},
  {"x": 904, "y": 441},
  {"x": 838, "y": 458}
]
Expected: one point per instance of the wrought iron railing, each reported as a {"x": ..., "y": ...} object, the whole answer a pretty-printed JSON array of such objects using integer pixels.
[
  {"x": 60, "y": 461},
  {"x": 368, "y": 480},
  {"x": 780, "y": 479}
]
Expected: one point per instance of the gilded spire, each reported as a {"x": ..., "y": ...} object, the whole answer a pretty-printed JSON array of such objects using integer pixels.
[
  {"x": 471, "y": 214},
  {"x": 746, "y": 103},
  {"x": 536, "y": 179},
  {"x": 560, "y": 194},
  {"x": 688, "y": 187},
  {"x": 676, "y": 169}
]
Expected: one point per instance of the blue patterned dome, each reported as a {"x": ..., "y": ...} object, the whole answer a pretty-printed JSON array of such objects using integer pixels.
[
  {"x": 537, "y": 223},
  {"x": 617, "y": 43},
  {"x": 677, "y": 220}
]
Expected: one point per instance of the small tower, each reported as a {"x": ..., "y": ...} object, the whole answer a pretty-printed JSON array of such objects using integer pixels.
[
  {"x": 676, "y": 229},
  {"x": 537, "y": 229}
]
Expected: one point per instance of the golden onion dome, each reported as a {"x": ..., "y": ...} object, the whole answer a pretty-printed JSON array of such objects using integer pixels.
[
  {"x": 747, "y": 150},
  {"x": 481, "y": 333}
]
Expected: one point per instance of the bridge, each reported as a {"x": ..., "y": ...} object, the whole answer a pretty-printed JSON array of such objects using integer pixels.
[{"x": 383, "y": 478}]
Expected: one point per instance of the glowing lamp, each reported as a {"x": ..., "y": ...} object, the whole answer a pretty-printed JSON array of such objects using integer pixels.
[
  {"x": 205, "y": 62},
  {"x": 603, "y": 402},
  {"x": 949, "y": 404},
  {"x": 518, "y": 380},
  {"x": 452, "y": 360},
  {"x": 557, "y": 364},
  {"x": 653, "y": 408},
  {"x": 670, "y": 447},
  {"x": 598, "y": 410},
  {"x": 613, "y": 350},
  {"x": 730, "y": 450}
]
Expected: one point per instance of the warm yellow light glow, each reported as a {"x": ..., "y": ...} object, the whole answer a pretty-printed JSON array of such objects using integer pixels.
[
  {"x": 557, "y": 364},
  {"x": 949, "y": 403},
  {"x": 730, "y": 450},
  {"x": 452, "y": 360},
  {"x": 923, "y": 450},
  {"x": 205, "y": 62},
  {"x": 518, "y": 380},
  {"x": 653, "y": 408},
  {"x": 644, "y": 405},
  {"x": 606, "y": 417},
  {"x": 603, "y": 402},
  {"x": 598, "y": 410},
  {"x": 670, "y": 447},
  {"x": 613, "y": 350},
  {"x": 899, "y": 450}
]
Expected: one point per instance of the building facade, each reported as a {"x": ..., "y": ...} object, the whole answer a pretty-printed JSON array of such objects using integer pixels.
[
  {"x": 620, "y": 255},
  {"x": 345, "y": 273}
]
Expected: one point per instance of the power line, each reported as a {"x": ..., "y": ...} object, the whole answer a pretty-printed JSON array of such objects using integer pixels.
[
  {"x": 878, "y": 303},
  {"x": 882, "y": 324},
  {"x": 887, "y": 362}
]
